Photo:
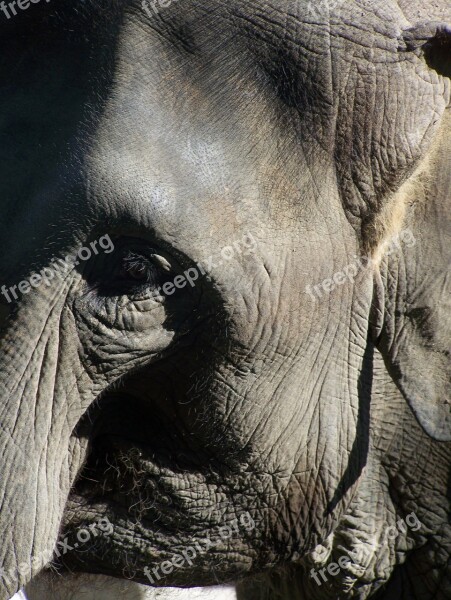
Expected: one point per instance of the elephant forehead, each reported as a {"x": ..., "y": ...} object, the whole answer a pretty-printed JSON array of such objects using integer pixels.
[
  {"x": 156, "y": 177},
  {"x": 188, "y": 138}
]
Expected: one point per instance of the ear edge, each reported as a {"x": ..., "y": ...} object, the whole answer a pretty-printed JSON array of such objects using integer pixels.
[
  {"x": 410, "y": 321},
  {"x": 425, "y": 395}
]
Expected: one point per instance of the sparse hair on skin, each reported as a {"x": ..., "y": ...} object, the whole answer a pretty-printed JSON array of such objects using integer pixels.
[{"x": 389, "y": 222}]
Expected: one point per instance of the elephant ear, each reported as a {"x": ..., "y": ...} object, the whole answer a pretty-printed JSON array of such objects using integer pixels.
[{"x": 412, "y": 317}]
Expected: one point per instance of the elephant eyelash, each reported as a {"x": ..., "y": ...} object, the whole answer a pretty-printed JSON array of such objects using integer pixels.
[
  {"x": 134, "y": 271},
  {"x": 139, "y": 268}
]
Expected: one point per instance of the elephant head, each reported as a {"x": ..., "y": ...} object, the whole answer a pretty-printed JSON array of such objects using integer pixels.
[{"x": 196, "y": 361}]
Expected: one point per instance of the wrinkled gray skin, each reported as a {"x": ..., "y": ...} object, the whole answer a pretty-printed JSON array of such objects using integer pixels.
[{"x": 328, "y": 421}]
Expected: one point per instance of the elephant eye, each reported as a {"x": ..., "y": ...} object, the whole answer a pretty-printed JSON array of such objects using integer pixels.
[
  {"x": 135, "y": 270},
  {"x": 142, "y": 268},
  {"x": 136, "y": 267}
]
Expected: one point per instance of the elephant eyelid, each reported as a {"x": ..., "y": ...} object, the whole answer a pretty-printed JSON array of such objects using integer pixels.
[{"x": 134, "y": 270}]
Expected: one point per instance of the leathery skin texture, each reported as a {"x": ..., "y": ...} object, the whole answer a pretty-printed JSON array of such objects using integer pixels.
[{"x": 225, "y": 314}]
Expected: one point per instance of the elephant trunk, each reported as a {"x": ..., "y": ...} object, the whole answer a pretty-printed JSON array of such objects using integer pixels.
[{"x": 39, "y": 408}]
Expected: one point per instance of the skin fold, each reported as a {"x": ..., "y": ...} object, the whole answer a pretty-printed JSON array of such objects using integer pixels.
[{"x": 253, "y": 149}]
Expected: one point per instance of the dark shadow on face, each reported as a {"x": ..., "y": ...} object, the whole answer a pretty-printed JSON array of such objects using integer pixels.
[
  {"x": 438, "y": 52},
  {"x": 359, "y": 452},
  {"x": 57, "y": 63}
]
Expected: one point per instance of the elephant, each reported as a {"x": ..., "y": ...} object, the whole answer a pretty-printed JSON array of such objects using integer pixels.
[{"x": 225, "y": 297}]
